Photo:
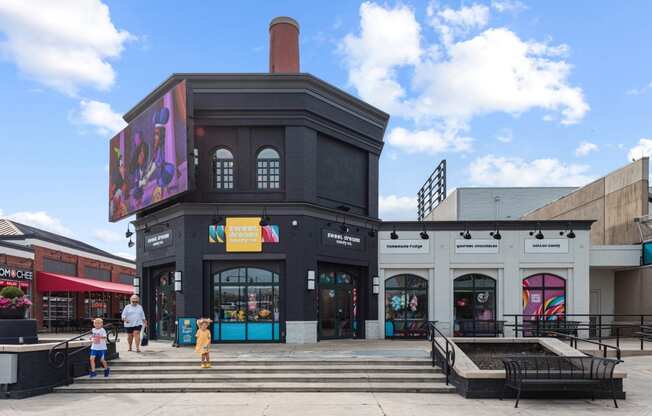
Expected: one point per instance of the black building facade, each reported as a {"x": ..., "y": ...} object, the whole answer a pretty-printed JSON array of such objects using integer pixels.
[{"x": 292, "y": 157}]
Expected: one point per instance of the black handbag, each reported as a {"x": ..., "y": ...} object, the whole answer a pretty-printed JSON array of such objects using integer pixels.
[{"x": 145, "y": 339}]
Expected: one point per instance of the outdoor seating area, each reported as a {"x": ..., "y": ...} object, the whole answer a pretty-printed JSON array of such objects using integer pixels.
[{"x": 560, "y": 374}]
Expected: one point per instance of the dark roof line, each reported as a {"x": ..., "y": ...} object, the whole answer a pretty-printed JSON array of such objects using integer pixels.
[
  {"x": 32, "y": 232},
  {"x": 487, "y": 225},
  {"x": 16, "y": 246}
]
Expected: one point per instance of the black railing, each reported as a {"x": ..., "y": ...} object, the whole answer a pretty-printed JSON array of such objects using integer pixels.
[
  {"x": 60, "y": 353},
  {"x": 442, "y": 350},
  {"x": 574, "y": 342},
  {"x": 479, "y": 328}
]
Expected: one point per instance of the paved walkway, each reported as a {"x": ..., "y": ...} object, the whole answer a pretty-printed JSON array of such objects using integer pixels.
[{"x": 637, "y": 385}]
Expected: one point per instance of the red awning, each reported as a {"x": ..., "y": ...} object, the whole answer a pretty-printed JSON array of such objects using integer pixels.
[{"x": 50, "y": 282}]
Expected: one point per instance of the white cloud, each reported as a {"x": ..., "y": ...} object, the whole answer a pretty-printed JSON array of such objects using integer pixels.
[
  {"x": 107, "y": 236},
  {"x": 505, "y": 136},
  {"x": 639, "y": 91},
  {"x": 642, "y": 149},
  {"x": 63, "y": 44},
  {"x": 41, "y": 219},
  {"x": 585, "y": 148},
  {"x": 508, "y": 6},
  {"x": 493, "y": 170},
  {"x": 430, "y": 141},
  {"x": 392, "y": 64},
  {"x": 393, "y": 207},
  {"x": 389, "y": 38},
  {"x": 100, "y": 116}
]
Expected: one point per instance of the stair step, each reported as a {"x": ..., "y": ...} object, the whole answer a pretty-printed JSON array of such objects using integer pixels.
[
  {"x": 274, "y": 362},
  {"x": 233, "y": 387},
  {"x": 204, "y": 377},
  {"x": 219, "y": 368}
]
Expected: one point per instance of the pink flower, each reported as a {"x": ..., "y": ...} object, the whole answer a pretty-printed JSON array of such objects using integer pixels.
[{"x": 15, "y": 303}]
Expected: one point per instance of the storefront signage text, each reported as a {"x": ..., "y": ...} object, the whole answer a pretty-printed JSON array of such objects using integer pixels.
[
  {"x": 13, "y": 273},
  {"x": 159, "y": 240},
  {"x": 547, "y": 246},
  {"x": 476, "y": 246},
  {"x": 404, "y": 246},
  {"x": 243, "y": 235},
  {"x": 349, "y": 241}
]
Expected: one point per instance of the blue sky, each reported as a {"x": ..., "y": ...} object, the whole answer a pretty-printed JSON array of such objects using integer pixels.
[{"x": 510, "y": 93}]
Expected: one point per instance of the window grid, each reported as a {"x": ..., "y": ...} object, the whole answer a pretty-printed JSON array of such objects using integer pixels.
[
  {"x": 223, "y": 172},
  {"x": 268, "y": 173}
]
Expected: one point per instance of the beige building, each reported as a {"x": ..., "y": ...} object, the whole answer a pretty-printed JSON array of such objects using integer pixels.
[{"x": 617, "y": 202}]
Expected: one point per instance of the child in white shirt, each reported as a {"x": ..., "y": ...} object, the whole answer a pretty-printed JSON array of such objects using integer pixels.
[{"x": 98, "y": 347}]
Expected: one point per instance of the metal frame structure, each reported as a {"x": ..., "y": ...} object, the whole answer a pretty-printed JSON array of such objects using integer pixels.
[{"x": 433, "y": 191}]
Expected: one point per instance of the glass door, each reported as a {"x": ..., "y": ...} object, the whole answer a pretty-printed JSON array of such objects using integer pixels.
[
  {"x": 165, "y": 306},
  {"x": 337, "y": 305}
]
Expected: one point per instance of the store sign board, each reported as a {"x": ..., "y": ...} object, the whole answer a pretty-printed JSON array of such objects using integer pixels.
[
  {"x": 158, "y": 240},
  {"x": 477, "y": 246},
  {"x": 186, "y": 331},
  {"x": 243, "y": 234},
  {"x": 342, "y": 240},
  {"x": 546, "y": 246},
  {"x": 405, "y": 246},
  {"x": 14, "y": 273}
]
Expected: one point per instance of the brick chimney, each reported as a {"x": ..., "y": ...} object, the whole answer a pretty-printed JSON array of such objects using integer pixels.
[{"x": 283, "y": 45}]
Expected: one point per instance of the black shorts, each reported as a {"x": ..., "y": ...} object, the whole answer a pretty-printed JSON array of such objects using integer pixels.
[{"x": 131, "y": 329}]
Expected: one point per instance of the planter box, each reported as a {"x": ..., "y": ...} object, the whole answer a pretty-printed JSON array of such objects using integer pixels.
[{"x": 18, "y": 331}]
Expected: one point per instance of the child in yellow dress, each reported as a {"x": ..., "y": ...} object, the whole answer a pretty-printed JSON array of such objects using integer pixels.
[{"x": 203, "y": 342}]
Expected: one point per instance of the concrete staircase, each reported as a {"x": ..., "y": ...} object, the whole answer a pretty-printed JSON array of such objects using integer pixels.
[{"x": 279, "y": 375}]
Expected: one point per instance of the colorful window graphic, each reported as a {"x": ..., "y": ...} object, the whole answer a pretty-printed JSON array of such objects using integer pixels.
[
  {"x": 269, "y": 234},
  {"x": 406, "y": 306},
  {"x": 544, "y": 297}
]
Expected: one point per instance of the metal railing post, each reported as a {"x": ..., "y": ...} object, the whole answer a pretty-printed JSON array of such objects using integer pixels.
[
  {"x": 599, "y": 328},
  {"x": 642, "y": 330}
]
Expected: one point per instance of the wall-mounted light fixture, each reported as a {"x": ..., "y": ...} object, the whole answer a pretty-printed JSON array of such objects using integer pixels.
[
  {"x": 424, "y": 234},
  {"x": 178, "y": 286},
  {"x": 393, "y": 235},
  {"x": 294, "y": 223},
  {"x": 128, "y": 234},
  {"x": 466, "y": 234},
  {"x": 539, "y": 235},
  {"x": 130, "y": 244},
  {"x": 375, "y": 285},
  {"x": 195, "y": 153},
  {"x": 136, "y": 285},
  {"x": 496, "y": 234},
  {"x": 264, "y": 220},
  {"x": 310, "y": 280}
]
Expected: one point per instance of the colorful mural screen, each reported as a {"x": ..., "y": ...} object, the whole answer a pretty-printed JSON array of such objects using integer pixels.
[
  {"x": 544, "y": 296},
  {"x": 148, "y": 160}
]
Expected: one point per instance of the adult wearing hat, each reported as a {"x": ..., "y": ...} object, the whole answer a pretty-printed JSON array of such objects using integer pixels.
[{"x": 134, "y": 320}]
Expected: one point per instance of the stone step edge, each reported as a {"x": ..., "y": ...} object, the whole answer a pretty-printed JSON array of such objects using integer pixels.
[
  {"x": 277, "y": 363},
  {"x": 245, "y": 379}
]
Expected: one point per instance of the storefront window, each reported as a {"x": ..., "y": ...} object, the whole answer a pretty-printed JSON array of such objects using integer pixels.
[
  {"x": 246, "y": 305},
  {"x": 58, "y": 309},
  {"x": 474, "y": 300},
  {"x": 544, "y": 296},
  {"x": 406, "y": 306},
  {"x": 96, "y": 305}
]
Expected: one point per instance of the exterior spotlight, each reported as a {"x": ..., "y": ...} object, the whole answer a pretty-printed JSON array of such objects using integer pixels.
[
  {"x": 264, "y": 221},
  {"x": 570, "y": 234},
  {"x": 393, "y": 234},
  {"x": 539, "y": 235},
  {"x": 217, "y": 219},
  {"x": 294, "y": 223},
  {"x": 496, "y": 235},
  {"x": 371, "y": 233},
  {"x": 128, "y": 234},
  {"x": 130, "y": 244},
  {"x": 466, "y": 234},
  {"x": 343, "y": 228},
  {"x": 424, "y": 235}
]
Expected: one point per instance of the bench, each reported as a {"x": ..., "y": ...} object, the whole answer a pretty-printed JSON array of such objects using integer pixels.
[
  {"x": 554, "y": 373},
  {"x": 480, "y": 328}
]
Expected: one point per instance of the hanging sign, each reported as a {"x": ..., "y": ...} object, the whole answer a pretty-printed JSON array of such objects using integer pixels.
[
  {"x": 546, "y": 246},
  {"x": 343, "y": 240},
  {"x": 158, "y": 240},
  {"x": 243, "y": 234},
  {"x": 476, "y": 246},
  {"x": 405, "y": 246}
]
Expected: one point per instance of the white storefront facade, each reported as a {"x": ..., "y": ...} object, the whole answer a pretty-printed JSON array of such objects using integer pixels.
[{"x": 449, "y": 278}]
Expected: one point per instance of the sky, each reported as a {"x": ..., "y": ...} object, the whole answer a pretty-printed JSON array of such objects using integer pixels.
[{"x": 510, "y": 93}]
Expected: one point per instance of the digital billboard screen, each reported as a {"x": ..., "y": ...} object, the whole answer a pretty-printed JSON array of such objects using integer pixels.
[{"x": 148, "y": 160}]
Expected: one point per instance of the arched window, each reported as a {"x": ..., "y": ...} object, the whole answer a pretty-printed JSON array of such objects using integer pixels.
[
  {"x": 406, "y": 306},
  {"x": 246, "y": 305},
  {"x": 223, "y": 167},
  {"x": 474, "y": 299},
  {"x": 544, "y": 296},
  {"x": 268, "y": 169}
]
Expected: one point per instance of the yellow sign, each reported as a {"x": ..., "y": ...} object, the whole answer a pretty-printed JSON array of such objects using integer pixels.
[{"x": 243, "y": 235}]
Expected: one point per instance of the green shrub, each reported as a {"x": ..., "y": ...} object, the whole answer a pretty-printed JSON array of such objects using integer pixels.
[{"x": 12, "y": 292}]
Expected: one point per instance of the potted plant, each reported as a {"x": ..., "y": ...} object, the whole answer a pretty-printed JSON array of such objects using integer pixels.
[{"x": 13, "y": 303}]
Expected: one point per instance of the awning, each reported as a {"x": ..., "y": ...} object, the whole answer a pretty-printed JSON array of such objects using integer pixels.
[{"x": 50, "y": 282}]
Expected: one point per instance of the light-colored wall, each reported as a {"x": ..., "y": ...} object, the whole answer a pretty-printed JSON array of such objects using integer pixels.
[
  {"x": 441, "y": 265},
  {"x": 602, "y": 287},
  {"x": 613, "y": 201},
  {"x": 446, "y": 210},
  {"x": 632, "y": 291}
]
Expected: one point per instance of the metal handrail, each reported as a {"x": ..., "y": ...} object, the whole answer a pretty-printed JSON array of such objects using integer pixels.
[
  {"x": 446, "y": 352},
  {"x": 574, "y": 342},
  {"x": 60, "y": 357}
]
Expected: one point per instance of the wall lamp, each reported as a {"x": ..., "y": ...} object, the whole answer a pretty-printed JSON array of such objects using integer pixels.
[
  {"x": 310, "y": 280},
  {"x": 130, "y": 244},
  {"x": 496, "y": 234},
  {"x": 539, "y": 235},
  {"x": 344, "y": 228},
  {"x": 129, "y": 233},
  {"x": 178, "y": 287},
  {"x": 217, "y": 218},
  {"x": 376, "y": 285},
  {"x": 265, "y": 219},
  {"x": 424, "y": 234},
  {"x": 371, "y": 233},
  {"x": 136, "y": 285},
  {"x": 393, "y": 234},
  {"x": 466, "y": 234},
  {"x": 571, "y": 233}
]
